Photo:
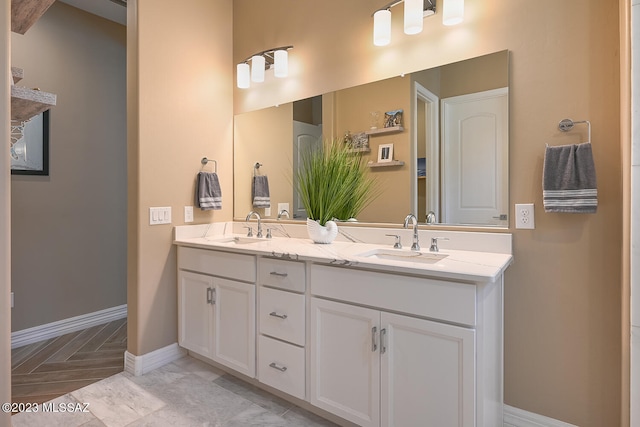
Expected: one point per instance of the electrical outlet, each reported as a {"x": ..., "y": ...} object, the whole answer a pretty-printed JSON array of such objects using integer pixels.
[{"x": 525, "y": 216}]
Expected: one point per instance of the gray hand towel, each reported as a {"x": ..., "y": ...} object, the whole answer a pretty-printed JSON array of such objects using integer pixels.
[
  {"x": 208, "y": 192},
  {"x": 569, "y": 179},
  {"x": 260, "y": 192}
]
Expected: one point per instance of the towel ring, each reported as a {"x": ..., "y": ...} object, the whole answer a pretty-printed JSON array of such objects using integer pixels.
[
  {"x": 204, "y": 162},
  {"x": 255, "y": 168},
  {"x": 566, "y": 125}
]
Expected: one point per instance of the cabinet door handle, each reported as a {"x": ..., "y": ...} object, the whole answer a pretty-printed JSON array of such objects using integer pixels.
[
  {"x": 213, "y": 295},
  {"x": 374, "y": 344},
  {"x": 275, "y": 273},
  {"x": 383, "y": 336},
  {"x": 279, "y": 316},
  {"x": 209, "y": 296},
  {"x": 280, "y": 368}
]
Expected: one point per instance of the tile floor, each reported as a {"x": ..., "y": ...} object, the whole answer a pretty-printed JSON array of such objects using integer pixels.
[{"x": 186, "y": 392}]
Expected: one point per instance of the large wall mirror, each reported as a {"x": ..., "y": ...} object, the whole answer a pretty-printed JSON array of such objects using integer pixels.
[{"x": 449, "y": 153}]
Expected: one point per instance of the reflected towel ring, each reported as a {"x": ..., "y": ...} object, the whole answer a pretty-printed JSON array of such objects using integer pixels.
[
  {"x": 255, "y": 168},
  {"x": 204, "y": 162}
]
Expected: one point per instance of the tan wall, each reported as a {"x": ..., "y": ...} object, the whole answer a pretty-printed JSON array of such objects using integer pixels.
[
  {"x": 266, "y": 137},
  {"x": 5, "y": 213},
  {"x": 352, "y": 108},
  {"x": 69, "y": 228},
  {"x": 179, "y": 110},
  {"x": 563, "y": 293}
]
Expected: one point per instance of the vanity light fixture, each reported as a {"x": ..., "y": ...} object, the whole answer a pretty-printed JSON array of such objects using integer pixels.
[
  {"x": 453, "y": 12},
  {"x": 414, "y": 13},
  {"x": 276, "y": 58}
]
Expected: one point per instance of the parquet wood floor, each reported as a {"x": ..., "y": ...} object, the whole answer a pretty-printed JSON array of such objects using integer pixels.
[{"x": 48, "y": 369}]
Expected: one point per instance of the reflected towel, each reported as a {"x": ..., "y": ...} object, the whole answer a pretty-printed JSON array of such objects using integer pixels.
[
  {"x": 208, "y": 192},
  {"x": 569, "y": 179},
  {"x": 260, "y": 192}
]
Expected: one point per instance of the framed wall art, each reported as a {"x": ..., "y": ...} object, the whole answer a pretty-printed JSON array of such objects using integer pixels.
[{"x": 30, "y": 146}]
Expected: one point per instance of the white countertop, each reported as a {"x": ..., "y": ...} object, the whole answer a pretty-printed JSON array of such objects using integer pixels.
[{"x": 468, "y": 266}]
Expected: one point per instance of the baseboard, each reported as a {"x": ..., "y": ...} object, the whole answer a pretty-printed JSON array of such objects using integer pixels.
[
  {"x": 140, "y": 365},
  {"x": 65, "y": 326},
  {"x": 514, "y": 417}
]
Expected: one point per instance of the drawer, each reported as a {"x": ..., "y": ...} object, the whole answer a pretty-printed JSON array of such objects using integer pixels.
[
  {"x": 281, "y": 366},
  {"x": 282, "y": 274},
  {"x": 419, "y": 296},
  {"x": 282, "y": 315},
  {"x": 218, "y": 263}
]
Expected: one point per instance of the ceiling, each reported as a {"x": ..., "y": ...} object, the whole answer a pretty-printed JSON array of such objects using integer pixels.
[{"x": 113, "y": 10}]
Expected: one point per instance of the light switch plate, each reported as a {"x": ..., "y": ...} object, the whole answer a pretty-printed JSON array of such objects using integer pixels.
[
  {"x": 188, "y": 214},
  {"x": 160, "y": 215}
]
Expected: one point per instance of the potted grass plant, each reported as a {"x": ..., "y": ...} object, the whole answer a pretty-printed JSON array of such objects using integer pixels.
[{"x": 333, "y": 184}]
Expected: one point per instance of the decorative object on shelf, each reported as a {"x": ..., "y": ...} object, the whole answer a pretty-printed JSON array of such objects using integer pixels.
[
  {"x": 393, "y": 118},
  {"x": 374, "y": 117},
  {"x": 276, "y": 58},
  {"x": 333, "y": 184},
  {"x": 29, "y": 146},
  {"x": 360, "y": 141},
  {"x": 347, "y": 139},
  {"x": 385, "y": 153}
]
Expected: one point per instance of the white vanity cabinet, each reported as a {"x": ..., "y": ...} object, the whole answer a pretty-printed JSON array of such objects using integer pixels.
[
  {"x": 375, "y": 367},
  {"x": 216, "y": 306},
  {"x": 282, "y": 325}
]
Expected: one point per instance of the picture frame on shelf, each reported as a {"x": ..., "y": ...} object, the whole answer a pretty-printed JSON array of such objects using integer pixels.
[
  {"x": 30, "y": 146},
  {"x": 385, "y": 153},
  {"x": 393, "y": 118}
]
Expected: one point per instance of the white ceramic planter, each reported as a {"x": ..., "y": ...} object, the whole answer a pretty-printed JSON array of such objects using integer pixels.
[{"x": 322, "y": 233}]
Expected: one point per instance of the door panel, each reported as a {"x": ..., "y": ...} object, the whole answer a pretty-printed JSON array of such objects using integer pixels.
[
  {"x": 427, "y": 373},
  {"x": 475, "y": 161}
]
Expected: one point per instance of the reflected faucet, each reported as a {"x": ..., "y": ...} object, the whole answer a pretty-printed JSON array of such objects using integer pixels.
[
  {"x": 415, "y": 246},
  {"x": 282, "y": 213},
  {"x": 431, "y": 217},
  {"x": 257, "y": 215}
]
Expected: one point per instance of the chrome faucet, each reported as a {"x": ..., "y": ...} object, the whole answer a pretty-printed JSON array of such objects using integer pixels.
[
  {"x": 431, "y": 217},
  {"x": 415, "y": 246},
  {"x": 434, "y": 243},
  {"x": 282, "y": 213},
  {"x": 257, "y": 215}
]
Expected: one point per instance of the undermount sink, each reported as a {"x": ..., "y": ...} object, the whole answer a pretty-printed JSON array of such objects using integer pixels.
[
  {"x": 404, "y": 255},
  {"x": 238, "y": 240}
]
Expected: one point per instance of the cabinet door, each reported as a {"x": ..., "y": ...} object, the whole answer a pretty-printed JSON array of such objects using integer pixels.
[
  {"x": 234, "y": 325},
  {"x": 195, "y": 313},
  {"x": 345, "y": 363},
  {"x": 428, "y": 373}
]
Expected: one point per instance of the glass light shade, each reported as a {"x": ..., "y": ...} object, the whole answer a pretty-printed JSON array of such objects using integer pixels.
[
  {"x": 257, "y": 68},
  {"x": 281, "y": 63},
  {"x": 413, "y": 18},
  {"x": 243, "y": 76},
  {"x": 453, "y": 12},
  {"x": 382, "y": 27}
]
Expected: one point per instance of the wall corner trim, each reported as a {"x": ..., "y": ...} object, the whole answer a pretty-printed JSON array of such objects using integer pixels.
[
  {"x": 514, "y": 417},
  {"x": 140, "y": 365},
  {"x": 65, "y": 326}
]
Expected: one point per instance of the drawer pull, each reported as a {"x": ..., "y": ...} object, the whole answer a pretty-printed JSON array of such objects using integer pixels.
[
  {"x": 275, "y": 273},
  {"x": 209, "y": 295},
  {"x": 279, "y": 316},
  {"x": 280, "y": 368}
]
